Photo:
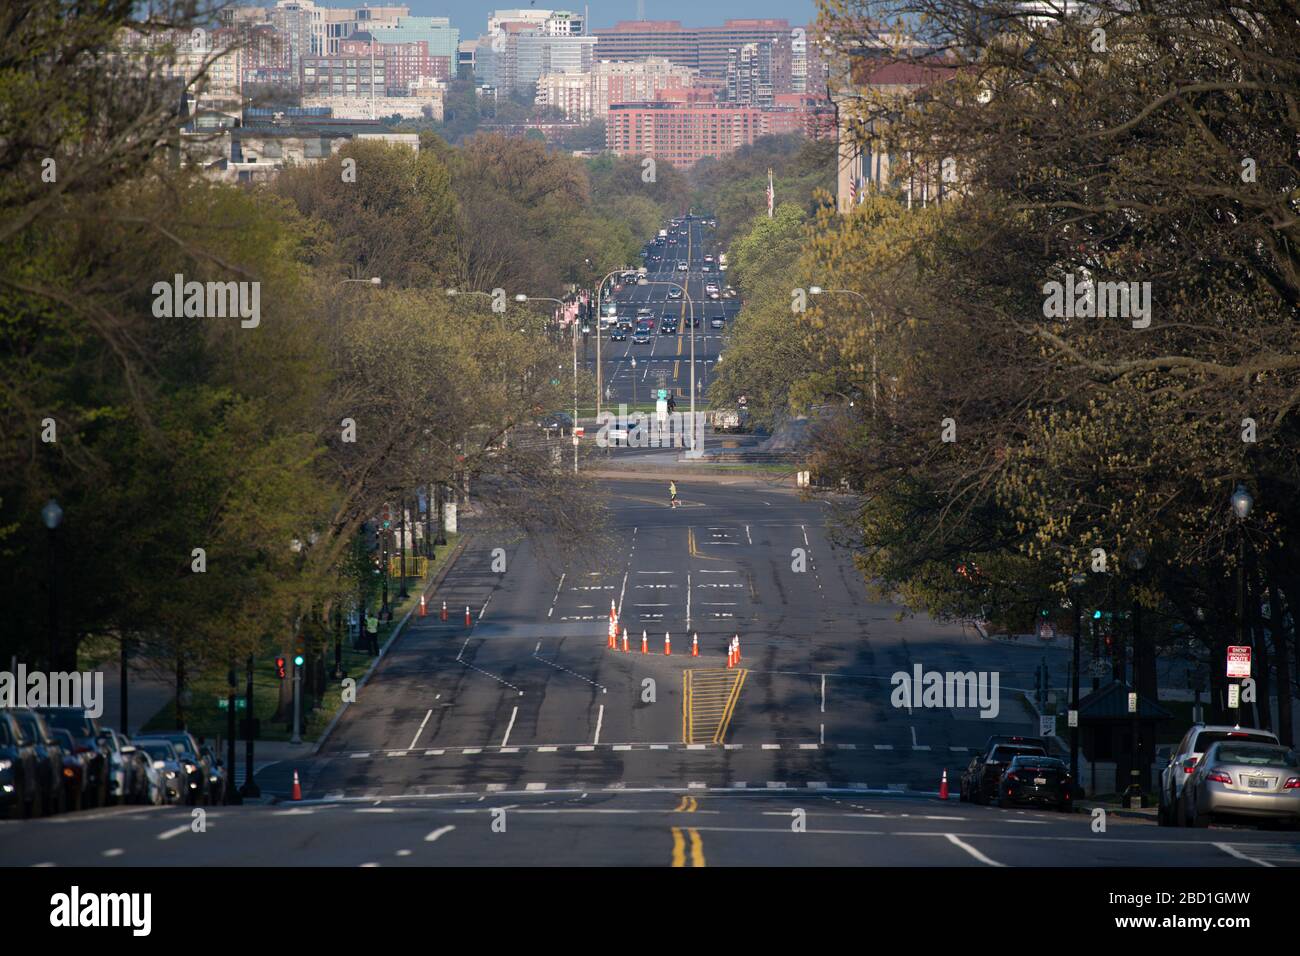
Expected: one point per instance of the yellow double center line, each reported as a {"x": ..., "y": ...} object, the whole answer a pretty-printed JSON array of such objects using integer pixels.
[{"x": 688, "y": 804}]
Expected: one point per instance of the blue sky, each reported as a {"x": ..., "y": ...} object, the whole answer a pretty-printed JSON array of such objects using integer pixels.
[{"x": 471, "y": 15}]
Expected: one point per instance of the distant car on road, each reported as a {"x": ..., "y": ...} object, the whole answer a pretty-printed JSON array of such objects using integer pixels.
[
  {"x": 641, "y": 337},
  {"x": 1243, "y": 779},
  {"x": 556, "y": 423},
  {"x": 674, "y": 293},
  {"x": 193, "y": 763},
  {"x": 618, "y": 335},
  {"x": 1036, "y": 780},
  {"x": 717, "y": 322},
  {"x": 708, "y": 258},
  {"x": 683, "y": 267},
  {"x": 1185, "y": 757},
  {"x": 76, "y": 773}
]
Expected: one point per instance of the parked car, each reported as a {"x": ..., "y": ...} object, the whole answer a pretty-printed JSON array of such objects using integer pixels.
[
  {"x": 85, "y": 739},
  {"x": 167, "y": 762},
  {"x": 195, "y": 765},
  {"x": 979, "y": 782},
  {"x": 1238, "y": 778},
  {"x": 556, "y": 423},
  {"x": 217, "y": 776},
  {"x": 128, "y": 780},
  {"x": 76, "y": 771},
  {"x": 1038, "y": 780},
  {"x": 1185, "y": 757},
  {"x": 20, "y": 784},
  {"x": 49, "y": 758}
]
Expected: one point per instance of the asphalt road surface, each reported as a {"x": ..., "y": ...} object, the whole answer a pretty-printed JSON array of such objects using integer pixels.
[{"x": 524, "y": 739}]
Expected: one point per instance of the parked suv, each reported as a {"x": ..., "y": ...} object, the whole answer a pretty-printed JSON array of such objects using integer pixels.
[
  {"x": 1186, "y": 756},
  {"x": 85, "y": 739},
  {"x": 979, "y": 782}
]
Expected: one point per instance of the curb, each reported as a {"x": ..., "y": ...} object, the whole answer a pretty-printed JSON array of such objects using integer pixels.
[{"x": 397, "y": 633}]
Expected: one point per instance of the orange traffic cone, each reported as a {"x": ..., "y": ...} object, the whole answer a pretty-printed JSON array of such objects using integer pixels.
[
  {"x": 668, "y": 644},
  {"x": 943, "y": 785},
  {"x": 423, "y": 610},
  {"x": 731, "y": 656},
  {"x": 444, "y": 610},
  {"x": 645, "y": 644},
  {"x": 297, "y": 787},
  {"x": 736, "y": 641},
  {"x": 468, "y": 622},
  {"x": 625, "y": 650},
  {"x": 695, "y": 644}
]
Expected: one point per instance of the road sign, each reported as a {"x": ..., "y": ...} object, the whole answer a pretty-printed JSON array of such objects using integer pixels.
[
  {"x": 1073, "y": 719},
  {"x": 223, "y": 703},
  {"x": 661, "y": 408},
  {"x": 1238, "y": 661},
  {"x": 1047, "y": 725},
  {"x": 1234, "y": 696},
  {"x": 663, "y": 393},
  {"x": 1132, "y": 703}
]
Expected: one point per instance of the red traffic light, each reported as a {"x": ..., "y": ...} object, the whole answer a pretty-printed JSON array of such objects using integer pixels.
[{"x": 279, "y": 668}]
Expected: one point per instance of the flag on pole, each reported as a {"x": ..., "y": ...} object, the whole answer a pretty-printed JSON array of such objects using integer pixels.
[{"x": 771, "y": 194}]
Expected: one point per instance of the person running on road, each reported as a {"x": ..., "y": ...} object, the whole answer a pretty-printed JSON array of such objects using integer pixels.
[{"x": 672, "y": 494}]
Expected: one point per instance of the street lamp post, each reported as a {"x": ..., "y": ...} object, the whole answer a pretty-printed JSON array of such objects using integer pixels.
[
  {"x": 642, "y": 279},
  {"x": 401, "y": 546},
  {"x": 1137, "y": 560},
  {"x": 250, "y": 790},
  {"x": 600, "y": 287},
  {"x": 560, "y": 302},
  {"x": 52, "y": 517},
  {"x": 1077, "y": 581},
  {"x": 1242, "y": 503}
]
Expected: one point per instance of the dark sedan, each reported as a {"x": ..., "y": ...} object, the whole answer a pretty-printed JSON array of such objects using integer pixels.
[
  {"x": 49, "y": 758},
  {"x": 980, "y": 781},
  {"x": 85, "y": 738},
  {"x": 1042, "y": 781},
  {"x": 20, "y": 785}
]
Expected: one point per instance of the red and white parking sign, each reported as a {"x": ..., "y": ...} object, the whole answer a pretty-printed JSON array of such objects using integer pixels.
[{"x": 1238, "y": 661}]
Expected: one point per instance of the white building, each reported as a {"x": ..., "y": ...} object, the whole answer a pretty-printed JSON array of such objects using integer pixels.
[{"x": 587, "y": 96}]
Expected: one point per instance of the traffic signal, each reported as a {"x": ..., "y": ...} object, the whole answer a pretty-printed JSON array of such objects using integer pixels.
[
  {"x": 279, "y": 668},
  {"x": 298, "y": 659}
]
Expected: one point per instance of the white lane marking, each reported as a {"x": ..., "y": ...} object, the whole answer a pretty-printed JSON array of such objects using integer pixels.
[
  {"x": 688, "y": 600},
  {"x": 556, "y": 599},
  {"x": 702, "y": 571},
  {"x": 823, "y": 693},
  {"x": 117, "y": 851},
  {"x": 421, "y": 730},
  {"x": 549, "y": 750},
  {"x": 403, "y": 853},
  {"x": 174, "y": 832},
  {"x": 622, "y": 746},
  {"x": 434, "y": 753},
  {"x": 621, "y": 591},
  {"x": 534, "y": 786},
  {"x": 823, "y": 734},
  {"x": 360, "y": 756},
  {"x": 884, "y": 746},
  {"x": 957, "y": 841},
  {"x": 913, "y": 729},
  {"x": 805, "y": 535},
  {"x": 600, "y": 719},
  {"x": 808, "y": 746},
  {"x": 483, "y": 609},
  {"x": 508, "y": 750},
  {"x": 747, "y": 537},
  {"x": 771, "y": 746},
  {"x": 584, "y": 747},
  {"x": 472, "y": 750},
  {"x": 440, "y": 832},
  {"x": 696, "y": 746},
  {"x": 513, "y": 714},
  {"x": 776, "y": 785},
  {"x": 1232, "y": 851}
]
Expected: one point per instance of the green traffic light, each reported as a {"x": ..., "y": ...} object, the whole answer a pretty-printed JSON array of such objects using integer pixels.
[
  {"x": 1096, "y": 615},
  {"x": 298, "y": 660}
]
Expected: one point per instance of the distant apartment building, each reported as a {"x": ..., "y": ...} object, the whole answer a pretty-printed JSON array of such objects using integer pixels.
[
  {"x": 520, "y": 56},
  {"x": 465, "y": 54},
  {"x": 556, "y": 23},
  {"x": 707, "y": 49},
  {"x": 360, "y": 68},
  {"x": 681, "y": 132},
  {"x": 587, "y": 96},
  {"x": 420, "y": 103},
  {"x": 442, "y": 38}
]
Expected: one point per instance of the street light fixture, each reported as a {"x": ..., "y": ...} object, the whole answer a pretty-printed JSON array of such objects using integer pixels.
[
  {"x": 1077, "y": 581},
  {"x": 1242, "y": 504},
  {"x": 520, "y": 297}
]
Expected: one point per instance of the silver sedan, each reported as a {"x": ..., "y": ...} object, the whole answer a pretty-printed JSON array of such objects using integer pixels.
[{"x": 1249, "y": 780}]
